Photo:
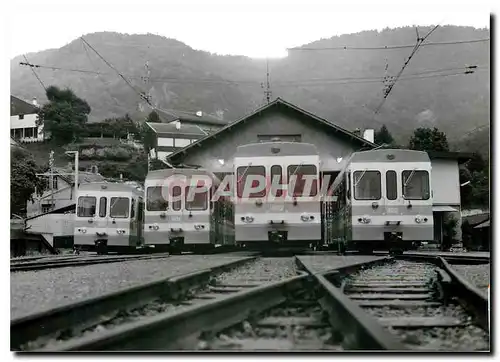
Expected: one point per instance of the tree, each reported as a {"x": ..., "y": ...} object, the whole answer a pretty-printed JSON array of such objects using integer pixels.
[
  {"x": 64, "y": 116},
  {"x": 153, "y": 117},
  {"x": 383, "y": 136},
  {"x": 477, "y": 192},
  {"x": 426, "y": 139},
  {"x": 23, "y": 179}
]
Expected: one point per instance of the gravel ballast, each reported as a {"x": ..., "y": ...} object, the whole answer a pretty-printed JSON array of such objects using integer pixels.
[
  {"x": 35, "y": 291},
  {"x": 477, "y": 275}
]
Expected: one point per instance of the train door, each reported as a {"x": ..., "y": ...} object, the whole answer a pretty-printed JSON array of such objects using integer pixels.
[
  {"x": 176, "y": 211},
  {"x": 101, "y": 219},
  {"x": 391, "y": 199},
  {"x": 134, "y": 225},
  {"x": 140, "y": 221}
]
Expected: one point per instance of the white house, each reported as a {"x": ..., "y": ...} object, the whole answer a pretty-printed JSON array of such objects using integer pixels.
[{"x": 23, "y": 118}]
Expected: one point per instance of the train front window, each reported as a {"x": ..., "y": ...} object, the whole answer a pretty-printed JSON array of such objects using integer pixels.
[
  {"x": 276, "y": 181},
  {"x": 119, "y": 207},
  {"x": 302, "y": 180},
  {"x": 416, "y": 185},
  {"x": 367, "y": 185},
  {"x": 86, "y": 206},
  {"x": 155, "y": 199},
  {"x": 196, "y": 198},
  {"x": 391, "y": 185},
  {"x": 254, "y": 173},
  {"x": 176, "y": 198}
]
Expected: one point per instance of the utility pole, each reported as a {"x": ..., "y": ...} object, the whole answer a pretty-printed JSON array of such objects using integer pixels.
[
  {"x": 267, "y": 90},
  {"x": 51, "y": 179}
]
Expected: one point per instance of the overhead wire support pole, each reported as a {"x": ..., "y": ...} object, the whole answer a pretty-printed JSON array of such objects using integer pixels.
[{"x": 414, "y": 51}]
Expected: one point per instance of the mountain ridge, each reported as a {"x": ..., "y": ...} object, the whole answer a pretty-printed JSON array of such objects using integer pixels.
[{"x": 342, "y": 86}]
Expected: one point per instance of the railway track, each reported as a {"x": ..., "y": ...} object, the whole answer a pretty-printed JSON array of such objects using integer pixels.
[
  {"x": 69, "y": 321},
  {"x": 70, "y": 261},
  {"x": 360, "y": 306},
  {"x": 426, "y": 304}
]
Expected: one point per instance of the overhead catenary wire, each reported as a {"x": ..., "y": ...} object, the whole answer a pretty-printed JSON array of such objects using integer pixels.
[
  {"x": 313, "y": 81},
  {"x": 36, "y": 75}
]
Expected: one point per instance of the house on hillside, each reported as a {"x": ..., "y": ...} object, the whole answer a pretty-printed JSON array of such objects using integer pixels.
[
  {"x": 288, "y": 122},
  {"x": 23, "y": 119},
  {"x": 200, "y": 119},
  {"x": 62, "y": 192}
]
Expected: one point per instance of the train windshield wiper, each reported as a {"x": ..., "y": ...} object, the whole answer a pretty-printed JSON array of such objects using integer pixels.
[
  {"x": 297, "y": 169},
  {"x": 244, "y": 173},
  {"x": 409, "y": 177},
  {"x": 360, "y": 177}
]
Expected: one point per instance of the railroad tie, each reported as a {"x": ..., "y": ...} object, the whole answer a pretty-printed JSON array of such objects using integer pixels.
[
  {"x": 394, "y": 290},
  {"x": 292, "y": 321},
  {"x": 421, "y": 322},
  {"x": 396, "y": 303},
  {"x": 382, "y": 296}
]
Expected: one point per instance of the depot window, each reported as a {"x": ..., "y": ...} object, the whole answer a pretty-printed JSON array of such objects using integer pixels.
[
  {"x": 86, "y": 206},
  {"x": 299, "y": 180},
  {"x": 245, "y": 173},
  {"x": 367, "y": 185},
  {"x": 416, "y": 184},
  {"x": 119, "y": 207}
]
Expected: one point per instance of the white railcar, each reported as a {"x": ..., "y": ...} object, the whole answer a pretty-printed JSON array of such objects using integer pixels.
[{"x": 287, "y": 210}]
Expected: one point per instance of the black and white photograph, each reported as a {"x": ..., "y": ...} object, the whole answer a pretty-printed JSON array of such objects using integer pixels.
[{"x": 246, "y": 177}]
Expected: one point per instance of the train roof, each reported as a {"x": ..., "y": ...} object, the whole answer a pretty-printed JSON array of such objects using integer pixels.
[
  {"x": 110, "y": 187},
  {"x": 276, "y": 148},
  {"x": 390, "y": 155},
  {"x": 188, "y": 172}
]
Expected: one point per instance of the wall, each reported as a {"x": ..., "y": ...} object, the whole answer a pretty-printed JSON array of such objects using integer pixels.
[
  {"x": 273, "y": 122},
  {"x": 445, "y": 182}
]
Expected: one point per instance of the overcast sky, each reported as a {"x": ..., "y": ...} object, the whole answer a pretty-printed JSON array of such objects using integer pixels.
[{"x": 255, "y": 29}]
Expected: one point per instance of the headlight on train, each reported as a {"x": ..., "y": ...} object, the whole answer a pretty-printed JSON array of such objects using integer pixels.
[
  {"x": 364, "y": 220},
  {"x": 82, "y": 230},
  {"x": 248, "y": 219},
  {"x": 420, "y": 219},
  {"x": 199, "y": 227},
  {"x": 154, "y": 227},
  {"x": 120, "y": 231},
  {"x": 306, "y": 218}
]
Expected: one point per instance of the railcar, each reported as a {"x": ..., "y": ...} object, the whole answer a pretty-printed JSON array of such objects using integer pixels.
[
  {"x": 276, "y": 196},
  {"x": 383, "y": 201},
  {"x": 109, "y": 217},
  {"x": 184, "y": 212}
]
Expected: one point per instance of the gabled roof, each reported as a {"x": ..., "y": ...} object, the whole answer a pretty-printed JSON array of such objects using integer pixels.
[
  {"x": 170, "y": 128},
  {"x": 170, "y": 115},
  {"x": 83, "y": 177},
  {"x": 461, "y": 157},
  {"x": 18, "y": 106},
  {"x": 277, "y": 102}
]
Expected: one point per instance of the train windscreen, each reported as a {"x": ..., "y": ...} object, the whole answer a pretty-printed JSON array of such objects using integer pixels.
[
  {"x": 86, "y": 206},
  {"x": 196, "y": 199},
  {"x": 176, "y": 198},
  {"x": 245, "y": 173},
  {"x": 119, "y": 207},
  {"x": 367, "y": 185},
  {"x": 299, "y": 183},
  {"x": 415, "y": 184},
  {"x": 155, "y": 200}
]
